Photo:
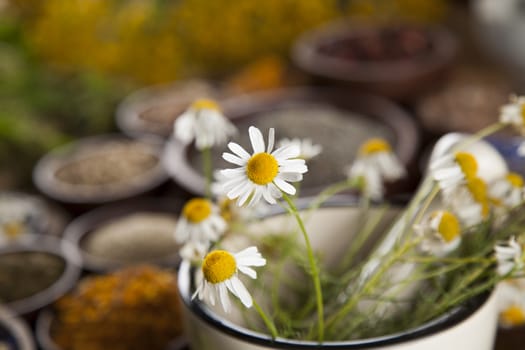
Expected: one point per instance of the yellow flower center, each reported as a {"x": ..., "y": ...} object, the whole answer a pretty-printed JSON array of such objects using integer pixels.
[
  {"x": 218, "y": 266},
  {"x": 467, "y": 163},
  {"x": 204, "y": 103},
  {"x": 197, "y": 210},
  {"x": 523, "y": 114},
  {"x": 513, "y": 316},
  {"x": 374, "y": 146},
  {"x": 478, "y": 190},
  {"x": 515, "y": 180},
  {"x": 448, "y": 226},
  {"x": 262, "y": 168},
  {"x": 13, "y": 229}
]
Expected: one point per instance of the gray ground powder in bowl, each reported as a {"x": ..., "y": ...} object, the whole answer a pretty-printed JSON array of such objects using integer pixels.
[
  {"x": 23, "y": 274},
  {"x": 134, "y": 238}
]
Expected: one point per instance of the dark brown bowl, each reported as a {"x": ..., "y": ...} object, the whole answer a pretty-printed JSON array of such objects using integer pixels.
[
  {"x": 46, "y": 174},
  {"x": 358, "y": 117},
  {"x": 401, "y": 76},
  {"x": 81, "y": 227}
]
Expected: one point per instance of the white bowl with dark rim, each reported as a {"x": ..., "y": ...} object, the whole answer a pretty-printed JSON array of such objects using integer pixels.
[
  {"x": 470, "y": 326},
  {"x": 375, "y": 117},
  {"x": 46, "y": 174},
  {"x": 48, "y": 245},
  {"x": 84, "y": 225}
]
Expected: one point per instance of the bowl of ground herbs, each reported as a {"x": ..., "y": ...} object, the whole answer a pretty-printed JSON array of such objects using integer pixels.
[
  {"x": 35, "y": 270},
  {"x": 133, "y": 308}
]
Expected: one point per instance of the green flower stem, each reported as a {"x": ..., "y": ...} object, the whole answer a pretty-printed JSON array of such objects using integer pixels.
[
  {"x": 207, "y": 167},
  {"x": 363, "y": 234},
  {"x": 313, "y": 267},
  {"x": 267, "y": 321},
  {"x": 462, "y": 297},
  {"x": 435, "y": 259},
  {"x": 489, "y": 130},
  {"x": 331, "y": 191},
  {"x": 370, "y": 284}
]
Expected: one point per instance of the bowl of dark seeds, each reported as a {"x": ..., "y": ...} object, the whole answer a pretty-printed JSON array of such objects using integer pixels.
[
  {"x": 100, "y": 169},
  {"x": 115, "y": 236},
  {"x": 337, "y": 120},
  {"x": 395, "y": 60},
  {"x": 35, "y": 271}
]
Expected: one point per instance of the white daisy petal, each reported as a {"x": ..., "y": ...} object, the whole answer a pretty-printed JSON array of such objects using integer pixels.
[
  {"x": 233, "y": 159},
  {"x": 248, "y": 271},
  {"x": 244, "y": 196},
  {"x": 271, "y": 140},
  {"x": 230, "y": 173},
  {"x": 268, "y": 197},
  {"x": 238, "y": 150},
  {"x": 223, "y": 297},
  {"x": 242, "y": 188},
  {"x": 274, "y": 191},
  {"x": 291, "y": 177},
  {"x": 252, "y": 250},
  {"x": 257, "y": 194},
  {"x": 290, "y": 151},
  {"x": 242, "y": 293},
  {"x": 256, "y": 139},
  {"x": 284, "y": 186}
]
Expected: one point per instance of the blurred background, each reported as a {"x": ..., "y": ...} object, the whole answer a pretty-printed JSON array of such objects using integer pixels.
[{"x": 66, "y": 64}]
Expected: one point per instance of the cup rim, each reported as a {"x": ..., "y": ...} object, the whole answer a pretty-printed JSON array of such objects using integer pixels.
[{"x": 198, "y": 309}]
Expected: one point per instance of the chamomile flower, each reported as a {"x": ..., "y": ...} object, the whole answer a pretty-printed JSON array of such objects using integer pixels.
[
  {"x": 507, "y": 192},
  {"x": 509, "y": 256},
  {"x": 16, "y": 217},
  {"x": 511, "y": 303},
  {"x": 376, "y": 162},
  {"x": 307, "y": 148},
  {"x": 194, "y": 251},
  {"x": 220, "y": 271},
  {"x": 229, "y": 210},
  {"x": 469, "y": 201},
  {"x": 452, "y": 170},
  {"x": 264, "y": 174},
  {"x": 441, "y": 233},
  {"x": 200, "y": 222},
  {"x": 513, "y": 113},
  {"x": 203, "y": 122}
]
